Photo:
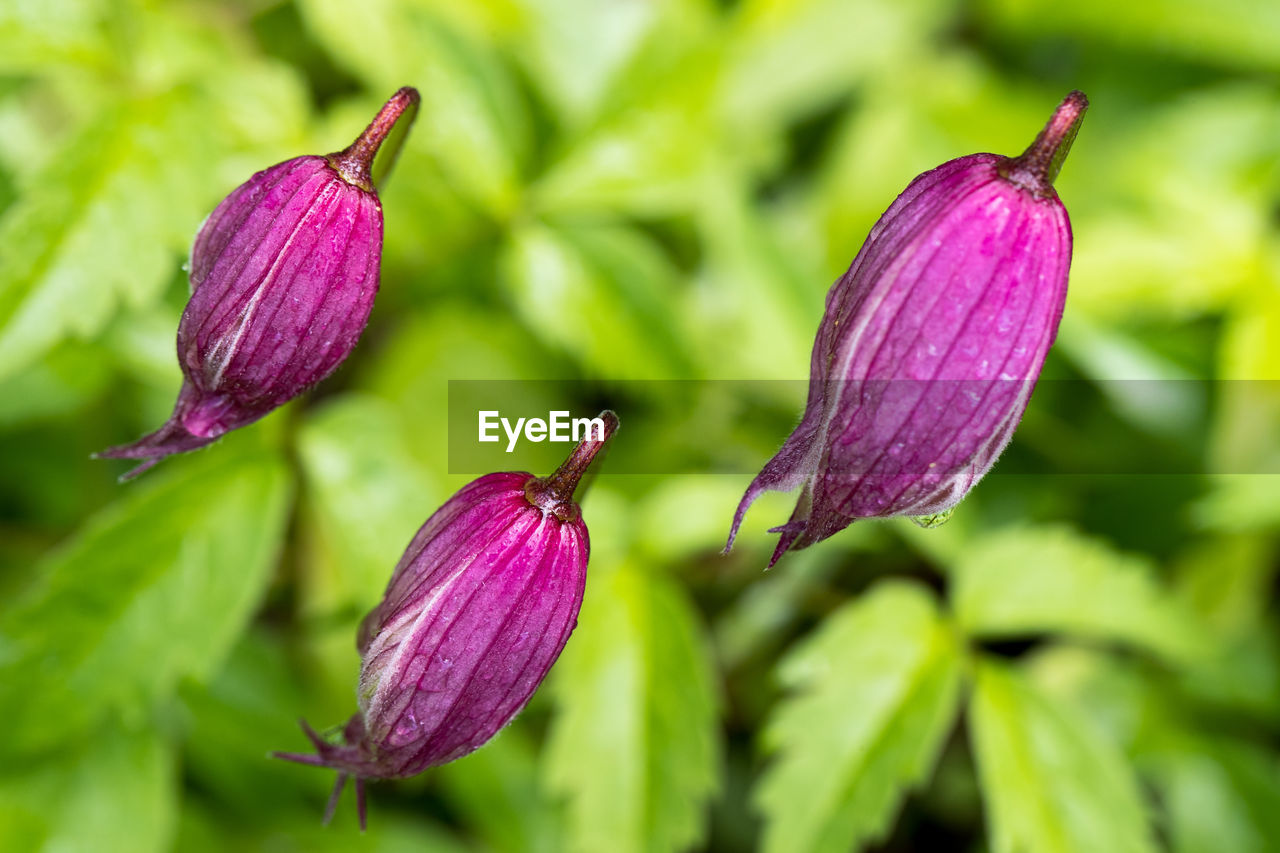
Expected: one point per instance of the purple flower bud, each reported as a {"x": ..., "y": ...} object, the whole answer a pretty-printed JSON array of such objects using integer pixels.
[
  {"x": 477, "y": 611},
  {"x": 283, "y": 276},
  {"x": 931, "y": 342}
]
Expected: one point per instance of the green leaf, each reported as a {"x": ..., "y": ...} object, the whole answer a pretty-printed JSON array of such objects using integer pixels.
[
  {"x": 1240, "y": 502},
  {"x": 1217, "y": 791},
  {"x": 460, "y": 343},
  {"x": 1051, "y": 783},
  {"x": 1227, "y": 582},
  {"x": 1167, "y": 399},
  {"x": 759, "y": 302},
  {"x": 634, "y": 745},
  {"x": 650, "y": 158},
  {"x": 58, "y": 385},
  {"x": 759, "y": 620},
  {"x": 875, "y": 694},
  {"x": 1251, "y": 338},
  {"x": 789, "y": 56},
  {"x": 575, "y": 48},
  {"x": 26, "y": 140},
  {"x": 295, "y": 830},
  {"x": 1245, "y": 446},
  {"x": 154, "y": 589},
  {"x": 1173, "y": 219},
  {"x": 911, "y": 119},
  {"x": 378, "y": 45},
  {"x": 116, "y": 794},
  {"x": 1053, "y": 580},
  {"x": 1208, "y": 32},
  {"x": 36, "y": 35},
  {"x": 1115, "y": 695},
  {"x": 251, "y": 706},
  {"x": 499, "y": 790},
  {"x": 472, "y": 118},
  {"x": 1221, "y": 795},
  {"x": 105, "y": 223},
  {"x": 603, "y": 293},
  {"x": 684, "y": 517},
  {"x": 366, "y": 496},
  {"x": 1243, "y": 674}
]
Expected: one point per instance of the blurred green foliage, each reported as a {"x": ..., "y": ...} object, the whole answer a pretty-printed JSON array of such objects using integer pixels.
[{"x": 643, "y": 190}]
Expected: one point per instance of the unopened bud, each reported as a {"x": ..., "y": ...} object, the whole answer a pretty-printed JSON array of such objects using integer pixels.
[
  {"x": 477, "y": 611},
  {"x": 283, "y": 277},
  {"x": 931, "y": 343}
]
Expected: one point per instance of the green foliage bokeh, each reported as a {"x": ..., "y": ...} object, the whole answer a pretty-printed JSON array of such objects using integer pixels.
[{"x": 608, "y": 191}]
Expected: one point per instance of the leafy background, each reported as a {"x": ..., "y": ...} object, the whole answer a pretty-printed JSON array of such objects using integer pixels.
[{"x": 644, "y": 190}]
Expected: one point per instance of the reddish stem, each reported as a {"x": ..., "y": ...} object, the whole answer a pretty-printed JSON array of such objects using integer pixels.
[
  {"x": 1037, "y": 167},
  {"x": 355, "y": 162},
  {"x": 555, "y": 493}
]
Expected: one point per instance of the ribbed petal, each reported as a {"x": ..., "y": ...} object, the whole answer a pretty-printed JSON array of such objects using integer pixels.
[
  {"x": 927, "y": 353},
  {"x": 284, "y": 273},
  {"x": 476, "y": 612},
  {"x": 227, "y": 290},
  {"x": 283, "y": 276}
]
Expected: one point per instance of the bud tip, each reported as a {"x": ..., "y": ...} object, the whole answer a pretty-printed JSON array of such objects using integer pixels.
[
  {"x": 1038, "y": 167},
  {"x": 355, "y": 162},
  {"x": 555, "y": 493}
]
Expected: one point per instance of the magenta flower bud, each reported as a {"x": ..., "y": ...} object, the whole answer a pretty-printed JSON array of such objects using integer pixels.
[
  {"x": 283, "y": 277},
  {"x": 931, "y": 343},
  {"x": 477, "y": 611}
]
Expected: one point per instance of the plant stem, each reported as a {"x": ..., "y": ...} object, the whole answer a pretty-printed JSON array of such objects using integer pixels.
[
  {"x": 1038, "y": 167},
  {"x": 355, "y": 162},
  {"x": 555, "y": 493}
]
